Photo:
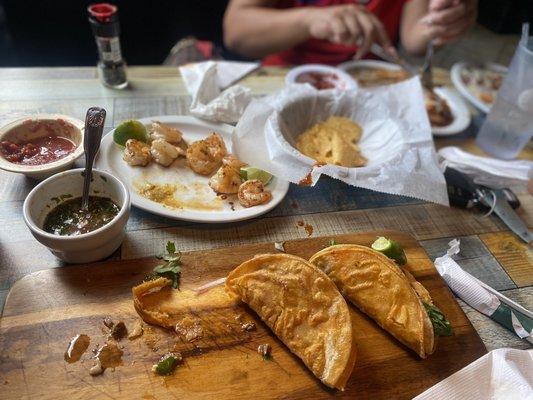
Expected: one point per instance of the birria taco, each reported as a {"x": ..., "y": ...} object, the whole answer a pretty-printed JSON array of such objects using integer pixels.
[
  {"x": 383, "y": 291},
  {"x": 303, "y": 308}
]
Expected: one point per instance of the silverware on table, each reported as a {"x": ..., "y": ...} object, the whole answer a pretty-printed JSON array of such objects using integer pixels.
[
  {"x": 427, "y": 72},
  {"x": 377, "y": 50},
  {"x": 94, "y": 126}
]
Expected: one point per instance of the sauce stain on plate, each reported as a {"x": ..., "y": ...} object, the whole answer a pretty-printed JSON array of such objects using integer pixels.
[{"x": 178, "y": 196}]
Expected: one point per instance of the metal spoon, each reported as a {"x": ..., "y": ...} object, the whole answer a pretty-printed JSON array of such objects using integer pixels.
[{"x": 94, "y": 125}]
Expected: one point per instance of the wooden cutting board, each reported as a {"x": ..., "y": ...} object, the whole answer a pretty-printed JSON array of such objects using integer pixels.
[{"x": 45, "y": 309}]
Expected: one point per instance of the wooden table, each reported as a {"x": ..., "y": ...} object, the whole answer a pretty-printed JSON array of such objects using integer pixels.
[{"x": 489, "y": 250}]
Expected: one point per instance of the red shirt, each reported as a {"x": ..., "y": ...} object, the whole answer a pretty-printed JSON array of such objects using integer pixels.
[{"x": 324, "y": 52}]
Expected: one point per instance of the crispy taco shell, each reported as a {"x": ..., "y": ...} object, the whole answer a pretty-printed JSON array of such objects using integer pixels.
[
  {"x": 380, "y": 289},
  {"x": 303, "y": 308}
]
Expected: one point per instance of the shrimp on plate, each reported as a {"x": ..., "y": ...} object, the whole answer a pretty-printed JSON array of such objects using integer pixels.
[
  {"x": 165, "y": 132},
  {"x": 226, "y": 180},
  {"x": 232, "y": 161},
  {"x": 252, "y": 193},
  {"x": 137, "y": 153},
  {"x": 205, "y": 156},
  {"x": 164, "y": 153}
]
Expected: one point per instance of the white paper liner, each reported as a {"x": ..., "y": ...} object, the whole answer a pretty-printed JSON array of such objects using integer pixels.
[
  {"x": 505, "y": 374},
  {"x": 396, "y": 137}
]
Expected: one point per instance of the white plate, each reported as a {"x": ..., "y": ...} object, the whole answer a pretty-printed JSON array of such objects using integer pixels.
[
  {"x": 459, "y": 109},
  {"x": 192, "y": 187},
  {"x": 461, "y": 87},
  {"x": 349, "y": 65},
  {"x": 324, "y": 69},
  {"x": 461, "y": 115}
]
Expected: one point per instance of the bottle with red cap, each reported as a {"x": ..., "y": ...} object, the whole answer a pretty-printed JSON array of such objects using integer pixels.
[{"x": 103, "y": 18}]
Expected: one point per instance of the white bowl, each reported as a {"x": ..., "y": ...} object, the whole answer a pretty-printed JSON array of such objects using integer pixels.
[
  {"x": 21, "y": 129},
  {"x": 87, "y": 247},
  {"x": 293, "y": 74},
  {"x": 463, "y": 89}
]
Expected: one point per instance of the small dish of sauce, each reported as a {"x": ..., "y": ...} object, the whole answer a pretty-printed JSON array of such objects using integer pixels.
[
  {"x": 68, "y": 218},
  {"x": 321, "y": 80},
  {"x": 37, "y": 151}
]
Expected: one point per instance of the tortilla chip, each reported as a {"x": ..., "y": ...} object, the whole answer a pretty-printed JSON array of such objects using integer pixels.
[
  {"x": 303, "y": 308},
  {"x": 333, "y": 141},
  {"x": 380, "y": 289}
]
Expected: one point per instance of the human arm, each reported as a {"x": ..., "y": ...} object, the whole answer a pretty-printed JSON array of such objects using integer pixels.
[
  {"x": 255, "y": 28},
  {"x": 442, "y": 21}
]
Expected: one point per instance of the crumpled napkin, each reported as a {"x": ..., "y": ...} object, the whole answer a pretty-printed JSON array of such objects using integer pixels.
[
  {"x": 213, "y": 97},
  {"x": 396, "y": 139},
  {"x": 487, "y": 171},
  {"x": 502, "y": 374}
]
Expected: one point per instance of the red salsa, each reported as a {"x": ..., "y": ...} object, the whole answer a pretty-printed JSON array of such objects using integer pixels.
[
  {"x": 38, "y": 151},
  {"x": 321, "y": 80}
]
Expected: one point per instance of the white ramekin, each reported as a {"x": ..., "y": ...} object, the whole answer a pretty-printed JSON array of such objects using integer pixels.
[
  {"x": 20, "y": 129},
  {"x": 88, "y": 247}
]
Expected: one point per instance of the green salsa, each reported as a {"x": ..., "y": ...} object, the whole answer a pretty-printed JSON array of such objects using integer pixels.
[{"x": 68, "y": 219}]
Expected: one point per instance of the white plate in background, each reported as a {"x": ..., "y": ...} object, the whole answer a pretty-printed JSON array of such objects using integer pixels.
[
  {"x": 110, "y": 159},
  {"x": 459, "y": 109},
  {"x": 461, "y": 115},
  {"x": 463, "y": 89}
]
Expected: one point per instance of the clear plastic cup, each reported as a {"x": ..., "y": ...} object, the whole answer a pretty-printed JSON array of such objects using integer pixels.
[{"x": 509, "y": 125}]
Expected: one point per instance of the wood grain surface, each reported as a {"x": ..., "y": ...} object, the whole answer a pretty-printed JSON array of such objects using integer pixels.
[{"x": 45, "y": 309}]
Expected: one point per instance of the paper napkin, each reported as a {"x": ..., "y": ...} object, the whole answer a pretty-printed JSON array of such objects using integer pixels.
[
  {"x": 213, "y": 97},
  {"x": 484, "y": 298},
  {"x": 487, "y": 171},
  {"x": 502, "y": 374}
]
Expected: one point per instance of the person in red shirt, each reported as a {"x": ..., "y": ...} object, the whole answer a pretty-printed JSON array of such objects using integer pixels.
[{"x": 290, "y": 32}]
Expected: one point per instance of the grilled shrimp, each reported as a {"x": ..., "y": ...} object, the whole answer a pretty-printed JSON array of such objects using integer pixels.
[
  {"x": 137, "y": 153},
  {"x": 165, "y": 132},
  {"x": 204, "y": 156},
  {"x": 226, "y": 180},
  {"x": 252, "y": 193},
  {"x": 232, "y": 161},
  {"x": 164, "y": 153}
]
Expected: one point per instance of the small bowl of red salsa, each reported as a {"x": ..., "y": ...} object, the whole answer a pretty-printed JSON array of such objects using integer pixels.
[
  {"x": 42, "y": 145},
  {"x": 321, "y": 77}
]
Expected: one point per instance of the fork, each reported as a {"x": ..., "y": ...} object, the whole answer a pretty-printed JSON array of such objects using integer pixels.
[{"x": 426, "y": 73}]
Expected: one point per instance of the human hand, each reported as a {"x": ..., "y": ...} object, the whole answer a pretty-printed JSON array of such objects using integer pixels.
[
  {"x": 348, "y": 25},
  {"x": 449, "y": 19}
]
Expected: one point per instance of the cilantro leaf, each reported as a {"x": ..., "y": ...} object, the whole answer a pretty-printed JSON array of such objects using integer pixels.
[
  {"x": 171, "y": 247},
  {"x": 167, "y": 363},
  {"x": 171, "y": 269},
  {"x": 441, "y": 326}
]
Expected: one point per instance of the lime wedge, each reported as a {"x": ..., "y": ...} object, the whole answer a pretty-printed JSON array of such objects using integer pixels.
[
  {"x": 131, "y": 129},
  {"x": 248, "y": 173},
  {"x": 391, "y": 249}
]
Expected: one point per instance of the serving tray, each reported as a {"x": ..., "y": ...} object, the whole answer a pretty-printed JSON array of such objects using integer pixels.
[{"x": 45, "y": 309}]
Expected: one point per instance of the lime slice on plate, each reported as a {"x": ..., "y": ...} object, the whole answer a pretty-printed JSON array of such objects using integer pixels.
[
  {"x": 248, "y": 173},
  {"x": 391, "y": 249},
  {"x": 131, "y": 129}
]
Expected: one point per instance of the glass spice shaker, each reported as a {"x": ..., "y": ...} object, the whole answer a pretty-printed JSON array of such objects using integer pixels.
[{"x": 103, "y": 18}]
